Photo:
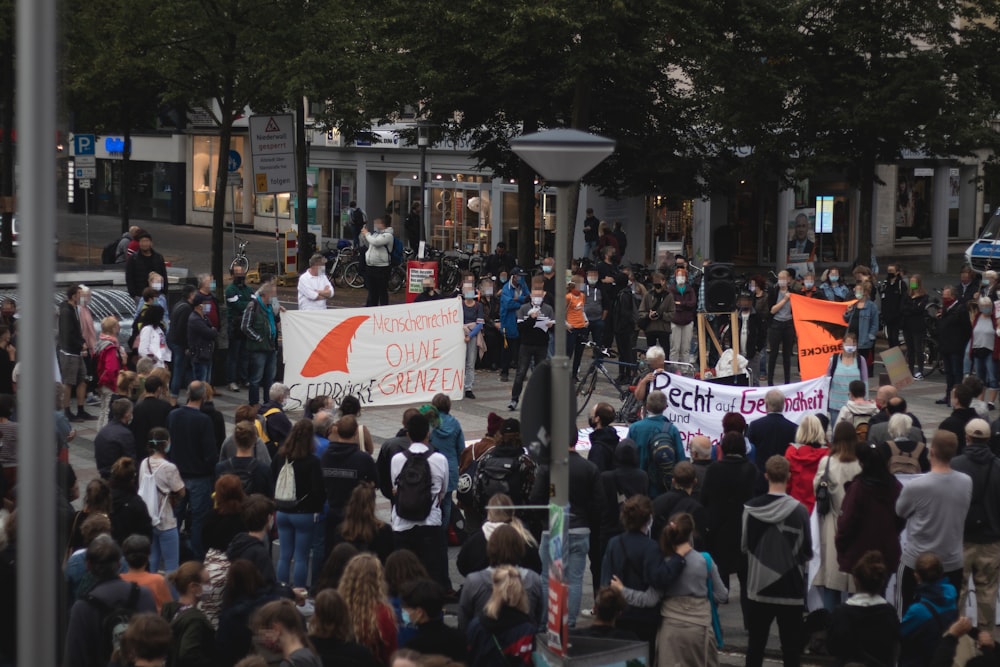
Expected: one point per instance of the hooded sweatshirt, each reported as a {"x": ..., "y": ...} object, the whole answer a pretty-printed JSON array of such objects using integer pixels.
[
  {"x": 450, "y": 441},
  {"x": 865, "y": 627},
  {"x": 250, "y": 548},
  {"x": 857, "y": 411},
  {"x": 926, "y": 620},
  {"x": 778, "y": 545},
  {"x": 345, "y": 465},
  {"x": 803, "y": 461},
  {"x": 619, "y": 484},
  {"x": 983, "y": 468},
  {"x": 603, "y": 442}
]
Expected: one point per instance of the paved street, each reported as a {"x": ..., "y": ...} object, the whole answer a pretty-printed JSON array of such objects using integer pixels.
[{"x": 186, "y": 246}]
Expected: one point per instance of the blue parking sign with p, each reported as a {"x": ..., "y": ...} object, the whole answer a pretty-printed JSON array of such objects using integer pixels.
[{"x": 84, "y": 144}]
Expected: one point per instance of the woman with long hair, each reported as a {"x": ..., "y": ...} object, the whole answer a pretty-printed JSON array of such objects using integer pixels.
[
  {"x": 331, "y": 632},
  {"x": 472, "y": 556},
  {"x": 363, "y": 589},
  {"x": 862, "y": 320},
  {"x": 164, "y": 481},
  {"x": 96, "y": 500},
  {"x": 402, "y": 566},
  {"x": 279, "y": 627},
  {"x": 835, "y": 471},
  {"x": 153, "y": 336},
  {"x": 350, "y": 405},
  {"x": 129, "y": 515},
  {"x": 361, "y": 527},
  {"x": 687, "y": 634},
  {"x": 194, "y": 635},
  {"x": 803, "y": 458},
  {"x": 503, "y": 634},
  {"x": 843, "y": 369},
  {"x": 914, "y": 309},
  {"x": 222, "y": 523},
  {"x": 333, "y": 568},
  {"x": 245, "y": 593},
  {"x": 297, "y": 515}
]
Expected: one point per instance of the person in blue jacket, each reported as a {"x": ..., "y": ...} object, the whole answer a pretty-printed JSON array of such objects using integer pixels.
[
  {"x": 862, "y": 319},
  {"x": 933, "y": 610},
  {"x": 448, "y": 439},
  {"x": 514, "y": 295}
]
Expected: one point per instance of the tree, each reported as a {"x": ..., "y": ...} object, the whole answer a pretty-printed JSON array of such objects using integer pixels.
[{"x": 7, "y": 79}]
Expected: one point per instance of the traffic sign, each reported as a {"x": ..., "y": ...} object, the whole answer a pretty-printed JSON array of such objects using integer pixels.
[
  {"x": 272, "y": 149},
  {"x": 85, "y": 161},
  {"x": 85, "y": 183},
  {"x": 85, "y": 172},
  {"x": 84, "y": 144},
  {"x": 235, "y": 160}
]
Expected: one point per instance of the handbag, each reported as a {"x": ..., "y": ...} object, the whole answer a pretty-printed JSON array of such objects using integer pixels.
[
  {"x": 716, "y": 625},
  {"x": 823, "y": 491}
]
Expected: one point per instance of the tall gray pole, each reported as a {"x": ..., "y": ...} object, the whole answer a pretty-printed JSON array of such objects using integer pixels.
[
  {"x": 37, "y": 561},
  {"x": 559, "y": 467}
]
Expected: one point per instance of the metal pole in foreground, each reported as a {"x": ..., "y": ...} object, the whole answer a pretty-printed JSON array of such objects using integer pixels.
[
  {"x": 37, "y": 560},
  {"x": 560, "y": 387},
  {"x": 86, "y": 219}
]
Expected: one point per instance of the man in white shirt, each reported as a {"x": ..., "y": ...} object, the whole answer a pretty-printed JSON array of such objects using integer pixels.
[
  {"x": 424, "y": 537},
  {"x": 314, "y": 286}
]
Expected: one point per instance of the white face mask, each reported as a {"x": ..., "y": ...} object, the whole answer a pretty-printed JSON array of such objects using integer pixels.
[
  {"x": 274, "y": 302},
  {"x": 487, "y": 292},
  {"x": 206, "y": 308},
  {"x": 850, "y": 348},
  {"x": 782, "y": 283},
  {"x": 591, "y": 280},
  {"x": 537, "y": 300},
  {"x": 469, "y": 295},
  {"x": 753, "y": 287},
  {"x": 546, "y": 268},
  {"x": 808, "y": 284},
  {"x": 157, "y": 286},
  {"x": 681, "y": 280}
]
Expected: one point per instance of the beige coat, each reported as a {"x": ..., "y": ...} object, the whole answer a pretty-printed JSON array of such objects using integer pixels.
[{"x": 829, "y": 574}]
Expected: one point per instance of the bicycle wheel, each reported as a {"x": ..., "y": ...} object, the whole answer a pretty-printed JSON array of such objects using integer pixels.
[
  {"x": 240, "y": 260},
  {"x": 450, "y": 275},
  {"x": 397, "y": 278},
  {"x": 631, "y": 410},
  {"x": 932, "y": 360},
  {"x": 585, "y": 389},
  {"x": 353, "y": 277}
]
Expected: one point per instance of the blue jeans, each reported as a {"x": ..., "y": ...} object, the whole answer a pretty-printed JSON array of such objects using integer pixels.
[
  {"x": 261, "y": 373},
  {"x": 201, "y": 371},
  {"x": 986, "y": 370},
  {"x": 164, "y": 550},
  {"x": 199, "y": 501},
  {"x": 574, "y": 567},
  {"x": 237, "y": 360},
  {"x": 295, "y": 538},
  {"x": 180, "y": 369}
]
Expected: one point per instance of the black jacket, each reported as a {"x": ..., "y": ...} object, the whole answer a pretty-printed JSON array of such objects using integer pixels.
[
  {"x": 756, "y": 335},
  {"x": 336, "y": 653},
  {"x": 434, "y": 637},
  {"x": 345, "y": 465},
  {"x": 248, "y": 547},
  {"x": 129, "y": 515},
  {"x": 177, "y": 334},
  {"x": 200, "y": 339},
  {"x": 729, "y": 484},
  {"x": 112, "y": 442},
  {"x": 603, "y": 442},
  {"x": 472, "y": 556},
  {"x": 192, "y": 442},
  {"x": 309, "y": 496},
  {"x": 261, "y": 480},
  {"x": 863, "y": 635},
  {"x": 218, "y": 530},
  {"x": 84, "y": 636},
  {"x": 771, "y": 434},
  {"x": 956, "y": 421},
  {"x": 70, "y": 333},
  {"x": 277, "y": 425},
  {"x": 913, "y": 309},
  {"x": 389, "y": 448},
  {"x": 620, "y": 484},
  {"x": 954, "y": 329},
  {"x": 137, "y": 270},
  {"x": 673, "y": 502},
  {"x": 585, "y": 502},
  {"x": 893, "y": 296},
  {"x": 148, "y": 413},
  {"x": 979, "y": 463}
]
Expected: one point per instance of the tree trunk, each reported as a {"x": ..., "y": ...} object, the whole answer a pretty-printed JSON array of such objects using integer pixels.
[
  {"x": 219, "y": 205},
  {"x": 302, "y": 194},
  {"x": 7, "y": 166}
]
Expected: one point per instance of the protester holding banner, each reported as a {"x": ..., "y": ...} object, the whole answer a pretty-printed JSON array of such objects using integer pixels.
[
  {"x": 914, "y": 309},
  {"x": 862, "y": 320},
  {"x": 832, "y": 288},
  {"x": 844, "y": 368},
  {"x": 682, "y": 324},
  {"x": 781, "y": 332},
  {"x": 473, "y": 319}
]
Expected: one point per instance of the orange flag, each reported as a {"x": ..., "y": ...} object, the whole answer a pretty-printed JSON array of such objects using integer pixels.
[{"x": 820, "y": 329}]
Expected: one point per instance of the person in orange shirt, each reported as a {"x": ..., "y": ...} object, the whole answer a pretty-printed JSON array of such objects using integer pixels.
[
  {"x": 136, "y": 549},
  {"x": 576, "y": 322}
]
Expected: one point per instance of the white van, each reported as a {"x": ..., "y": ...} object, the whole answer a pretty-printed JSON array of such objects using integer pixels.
[{"x": 984, "y": 253}]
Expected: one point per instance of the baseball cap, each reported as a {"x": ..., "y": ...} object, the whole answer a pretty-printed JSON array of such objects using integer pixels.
[
  {"x": 201, "y": 298},
  {"x": 978, "y": 428},
  {"x": 517, "y": 271}
]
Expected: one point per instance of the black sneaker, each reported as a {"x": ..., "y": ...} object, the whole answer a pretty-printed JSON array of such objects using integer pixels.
[
  {"x": 70, "y": 416},
  {"x": 469, "y": 394},
  {"x": 504, "y": 377},
  {"x": 83, "y": 415}
]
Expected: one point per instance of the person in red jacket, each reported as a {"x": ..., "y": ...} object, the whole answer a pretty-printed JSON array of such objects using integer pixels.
[
  {"x": 111, "y": 357},
  {"x": 803, "y": 459}
]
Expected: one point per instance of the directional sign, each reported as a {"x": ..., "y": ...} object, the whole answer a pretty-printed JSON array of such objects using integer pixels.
[
  {"x": 235, "y": 160},
  {"x": 272, "y": 148},
  {"x": 86, "y": 161},
  {"x": 85, "y": 172},
  {"x": 85, "y": 183},
  {"x": 84, "y": 144}
]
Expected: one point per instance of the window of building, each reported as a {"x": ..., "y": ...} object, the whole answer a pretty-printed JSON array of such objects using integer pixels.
[{"x": 204, "y": 166}]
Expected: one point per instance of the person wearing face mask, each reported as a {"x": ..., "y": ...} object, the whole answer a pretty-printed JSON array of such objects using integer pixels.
[
  {"x": 894, "y": 292},
  {"x": 534, "y": 321},
  {"x": 260, "y": 326},
  {"x": 625, "y": 316},
  {"x": 984, "y": 350},
  {"x": 159, "y": 479},
  {"x": 207, "y": 287},
  {"x": 513, "y": 296},
  {"x": 378, "y": 256},
  {"x": 809, "y": 287},
  {"x": 428, "y": 292},
  {"x": 577, "y": 326},
  {"x": 238, "y": 296},
  {"x": 500, "y": 262},
  {"x": 656, "y": 312},
  {"x": 193, "y": 633},
  {"x": 781, "y": 330},
  {"x": 201, "y": 337},
  {"x": 473, "y": 319},
  {"x": 913, "y": 310},
  {"x": 682, "y": 322},
  {"x": 968, "y": 286},
  {"x": 314, "y": 288},
  {"x": 491, "y": 324},
  {"x": 832, "y": 288},
  {"x": 114, "y": 440},
  {"x": 752, "y": 334},
  {"x": 862, "y": 320},
  {"x": 549, "y": 280},
  {"x": 954, "y": 332},
  {"x": 843, "y": 369},
  {"x": 990, "y": 286},
  {"x": 593, "y": 306},
  {"x": 194, "y": 451},
  {"x": 141, "y": 264}
]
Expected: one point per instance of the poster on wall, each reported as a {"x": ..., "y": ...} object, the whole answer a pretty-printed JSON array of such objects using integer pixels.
[
  {"x": 391, "y": 355},
  {"x": 802, "y": 241}
]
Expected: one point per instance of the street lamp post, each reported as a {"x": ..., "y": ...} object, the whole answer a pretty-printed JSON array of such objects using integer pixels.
[
  {"x": 423, "y": 140},
  {"x": 562, "y": 157}
]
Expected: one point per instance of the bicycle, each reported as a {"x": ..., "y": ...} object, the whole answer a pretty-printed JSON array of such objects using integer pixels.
[
  {"x": 586, "y": 385},
  {"x": 337, "y": 262},
  {"x": 240, "y": 258},
  {"x": 397, "y": 274}
]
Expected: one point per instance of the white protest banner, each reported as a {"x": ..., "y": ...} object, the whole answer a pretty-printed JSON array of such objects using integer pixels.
[
  {"x": 391, "y": 355},
  {"x": 697, "y": 407}
]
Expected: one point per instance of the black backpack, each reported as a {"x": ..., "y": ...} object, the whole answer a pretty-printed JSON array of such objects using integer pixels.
[
  {"x": 244, "y": 473},
  {"x": 114, "y": 621},
  {"x": 413, "y": 487},
  {"x": 977, "y": 519},
  {"x": 498, "y": 473},
  {"x": 109, "y": 254}
]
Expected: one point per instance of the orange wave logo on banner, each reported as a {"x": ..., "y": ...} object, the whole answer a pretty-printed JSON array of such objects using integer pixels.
[
  {"x": 331, "y": 353},
  {"x": 819, "y": 329}
]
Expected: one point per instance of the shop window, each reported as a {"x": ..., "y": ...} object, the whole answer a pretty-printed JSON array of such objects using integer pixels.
[
  {"x": 265, "y": 205},
  {"x": 204, "y": 167}
]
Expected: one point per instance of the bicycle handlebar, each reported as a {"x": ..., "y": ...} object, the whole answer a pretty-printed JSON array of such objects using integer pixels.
[{"x": 605, "y": 351}]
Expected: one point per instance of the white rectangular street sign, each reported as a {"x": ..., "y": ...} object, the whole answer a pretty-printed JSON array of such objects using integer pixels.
[
  {"x": 85, "y": 161},
  {"x": 85, "y": 172},
  {"x": 272, "y": 149},
  {"x": 85, "y": 183}
]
